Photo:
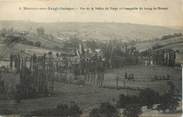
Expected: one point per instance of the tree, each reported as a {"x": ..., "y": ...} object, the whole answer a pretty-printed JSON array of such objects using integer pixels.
[
  {"x": 3, "y": 32},
  {"x": 37, "y": 43},
  {"x": 132, "y": 110},
  {"x": 40, "y": 31},
  {"x": 63, "y": 109},
  {"x": 168, "y": 102},
  {"x": 18, "y": 94},
  {"x": 108, "y": 110},
  {"x": 105, "y": 110},
  {"x": 127, "y": 100},
  {"x": 74, "y": 110},
  {"x": 149, "y": 97},
  {"x": 171, "y": 87},
  {"x": 95, "y": 113},
  {"x": 92, "y": 44}
]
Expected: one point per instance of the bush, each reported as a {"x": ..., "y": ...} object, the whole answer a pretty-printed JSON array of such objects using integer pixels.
[
  {"x": 74, "y": 110},
  {"x": 27, "y": 42},
  {"x": 127, "y": 100},
  {"x": 168, "y": 102},
  {"x": 37, "y": 44},
  {"x": 62, "y": 110},
  {"x": 105, "y": 110},
  {"x": 95, "y": 113},
  {"x": 149, "y": 97},
  {"x": 40, "y": 31},
  {"x": 132, "y": 110}
]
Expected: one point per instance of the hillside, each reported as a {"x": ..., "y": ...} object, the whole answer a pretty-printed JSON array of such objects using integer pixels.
[
  {"x": 98, "y": 31},
  {"x": 175, "y": 43},
  {"x": 145, "y": 36},
  {"x": 28, "y": 50}
]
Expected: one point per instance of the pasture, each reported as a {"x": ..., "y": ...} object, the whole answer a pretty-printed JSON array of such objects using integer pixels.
[
  {"x": 90, "y": 96},
  {"x": 143, "y": 77}
]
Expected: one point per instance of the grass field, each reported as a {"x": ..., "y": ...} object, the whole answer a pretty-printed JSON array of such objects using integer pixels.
[
  {"x": 143, "y": 77},
  {"x": 88, "y": 96}
]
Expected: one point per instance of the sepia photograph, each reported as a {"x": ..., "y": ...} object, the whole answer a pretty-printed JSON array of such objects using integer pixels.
[{"x": 73, "y": 64}]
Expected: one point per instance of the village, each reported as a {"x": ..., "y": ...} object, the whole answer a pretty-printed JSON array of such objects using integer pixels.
[{"x": 80, "y": 70}]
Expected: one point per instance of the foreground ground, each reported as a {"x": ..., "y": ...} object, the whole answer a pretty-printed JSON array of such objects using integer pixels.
[
  {"x": 86, "y": 97},
  {"x": 90, "y": 96}
]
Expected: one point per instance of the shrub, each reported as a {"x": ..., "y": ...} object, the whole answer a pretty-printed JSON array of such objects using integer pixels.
[
  {"x": 127, "y": 100},
  {"x": 105, "y": 110},
  {"x": 132, "y": 110},
  {"x": 95, "y": 113},
  {"x": 62, "y": 110},
  {"x": 168, "y": 102},
  {"x": 37, "y": 44},
  {"x": 74, "y": 110},
  {"x": 40, "y": 31},
  {"x": 149, "y": 97}
]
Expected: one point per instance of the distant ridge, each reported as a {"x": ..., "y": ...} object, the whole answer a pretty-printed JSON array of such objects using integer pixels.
[{"x": 97, "y": 31}]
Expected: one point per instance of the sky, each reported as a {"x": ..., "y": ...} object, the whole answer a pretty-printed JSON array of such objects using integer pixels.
[{"x": 171, "y": 17}]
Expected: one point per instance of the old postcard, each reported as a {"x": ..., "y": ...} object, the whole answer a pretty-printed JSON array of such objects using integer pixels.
[{"x": 91, "y": 58}]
